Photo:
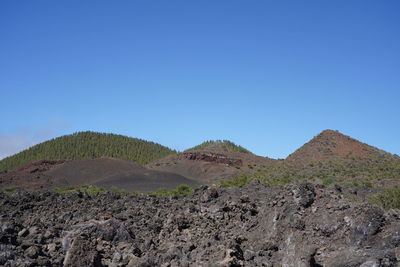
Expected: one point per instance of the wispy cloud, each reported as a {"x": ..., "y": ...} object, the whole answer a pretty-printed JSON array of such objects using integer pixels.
[{"x": 14, "y": 142}]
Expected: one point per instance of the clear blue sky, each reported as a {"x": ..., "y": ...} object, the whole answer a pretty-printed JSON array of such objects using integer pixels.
[{"x": 268, "y": 75}]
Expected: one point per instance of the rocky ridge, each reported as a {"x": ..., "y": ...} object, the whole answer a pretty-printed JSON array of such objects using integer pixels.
[
  {"x": 211, "y": 157},
  {"x": 256, "y": 225}
]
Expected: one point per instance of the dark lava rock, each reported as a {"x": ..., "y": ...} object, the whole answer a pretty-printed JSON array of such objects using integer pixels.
[
  {"x": 255, "y": 225},
  {"x": 32, "y": 252},
  {"x": 81, "y": 253},
  {"x": 209, "y": 194},
  {"x": 304, "y": 194},
  {"x": 368, "y": 224}
]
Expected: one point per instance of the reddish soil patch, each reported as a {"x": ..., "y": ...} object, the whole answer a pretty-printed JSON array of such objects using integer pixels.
[
  {"x": 209, "y": 167},
  {"x": 39, "y": 166}
]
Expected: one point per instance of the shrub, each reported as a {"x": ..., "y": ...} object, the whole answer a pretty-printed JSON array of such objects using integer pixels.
[
  {"x": 162, "y": 191},
  {"x": 66, "y": 190},
  {"x": 181, "y": 190},
  {"x": 367, "y": 184},
  {"x": 328, "y": 181},
  {"x": 237, "y": 181},
  {"x": 389, "y": 199},
  {"x": 92, "y": 189},
  {"x": 10, "y": 189},
  {"x": 277, "y": 181},
  {"x": 89, "y": 189}
]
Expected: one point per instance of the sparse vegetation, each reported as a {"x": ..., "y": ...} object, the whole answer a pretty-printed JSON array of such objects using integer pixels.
[
  {"x": 237, "y": 181},
  {"x": 244, "y": 179},
  {"x": 181, "y": 190},
  {"x": 389, "y": 199},
  {"x": 328, "y": 181},
  {"x": 364, "y": 172},
  {"x": 10, "y": 189},
  {"x": 277, "y": 181},
  {"x": 89, "y": 189}
]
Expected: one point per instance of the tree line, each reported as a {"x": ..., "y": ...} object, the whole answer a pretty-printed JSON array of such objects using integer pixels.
[{"x": 89, "y": 145}]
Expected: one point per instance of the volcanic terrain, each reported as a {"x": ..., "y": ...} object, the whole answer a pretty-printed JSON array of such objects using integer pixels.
[
  {"x": 328, "y": 158},
  {"x": 210, "y": 166},
  {"x": 256, "y": 225},
  {"x": 104, "y": 172},
  {"x": 330, "y": 145},
  {"x": 311, "y": 209}
]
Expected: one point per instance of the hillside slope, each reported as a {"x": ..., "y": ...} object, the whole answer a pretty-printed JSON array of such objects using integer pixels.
[
  {"x": 104, "y": 172},
  {"x": 219, "y": 145},
  {"x": 89, "y": 145},
  {"x": 335, "y": 158},
  {"x": 332, "y": 145},
  {"x": 211, "y": 161},
  {"x": 209, "y": 166}
]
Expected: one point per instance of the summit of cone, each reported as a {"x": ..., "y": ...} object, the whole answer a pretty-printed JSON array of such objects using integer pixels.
[{"x": 331, "y": 145}]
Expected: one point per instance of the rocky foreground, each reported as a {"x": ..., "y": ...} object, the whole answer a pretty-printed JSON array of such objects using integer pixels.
[{"x": 256, "y": 225}]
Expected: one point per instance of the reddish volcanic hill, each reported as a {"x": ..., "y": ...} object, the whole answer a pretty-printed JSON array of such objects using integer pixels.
[
  {"x": 211, "y": 166},
  {"x": 106, "y": 172},
  {"x": 331, "y": 145}
]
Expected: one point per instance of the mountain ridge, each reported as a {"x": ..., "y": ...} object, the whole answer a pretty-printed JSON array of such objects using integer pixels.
[
  {"x": 328, "y": 146},
  {"x": 332, "y": 144},
  {"x": 330, "y": 157},
  {"x": 89, "y": 145}
]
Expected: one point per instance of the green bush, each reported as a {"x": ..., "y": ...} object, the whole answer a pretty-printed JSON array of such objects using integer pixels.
[
  {"x": 10, "y": 189},
  {"x": 181, "y": 190},
  {"x": 328, "y": 181},
  {"x": 237, "y": 181},
  {"x": 367, "y": 184},
  {"x": 66, "y": 190},
  {"x": 277, "y": 181},
  {"x": 163, "y": 192},
  {"x": 389, "y": 199},
  {"x": 89, "y": 189}
]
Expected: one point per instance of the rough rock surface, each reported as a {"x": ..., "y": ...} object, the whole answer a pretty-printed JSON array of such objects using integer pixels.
[
  {"x": 211, "y": 157},
  {"x": 257, "y": 225}
]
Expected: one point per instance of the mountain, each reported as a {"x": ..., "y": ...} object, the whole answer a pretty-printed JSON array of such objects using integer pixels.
[
  {"x": 212, "y": 161},
  {"x": 333, "y": 145},
  {"x": 104, "y": 172},
  {"x": 332, "y": 157},
  {"x": 329, "y": 158},
  {"x": 89, "y": 145},
  {"x": 220, "y": 146}
]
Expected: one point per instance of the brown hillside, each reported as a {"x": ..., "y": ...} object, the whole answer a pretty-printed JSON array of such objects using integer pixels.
[
  {"x": 211, "y": 166},
  {"x": 331, "y": 145},
  {"x": 106, "y": 172}
]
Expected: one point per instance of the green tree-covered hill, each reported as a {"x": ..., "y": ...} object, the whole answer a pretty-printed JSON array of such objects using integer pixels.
[
  {"x": 89, "y": 145},
  {"x": 220, "y": 145}
]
